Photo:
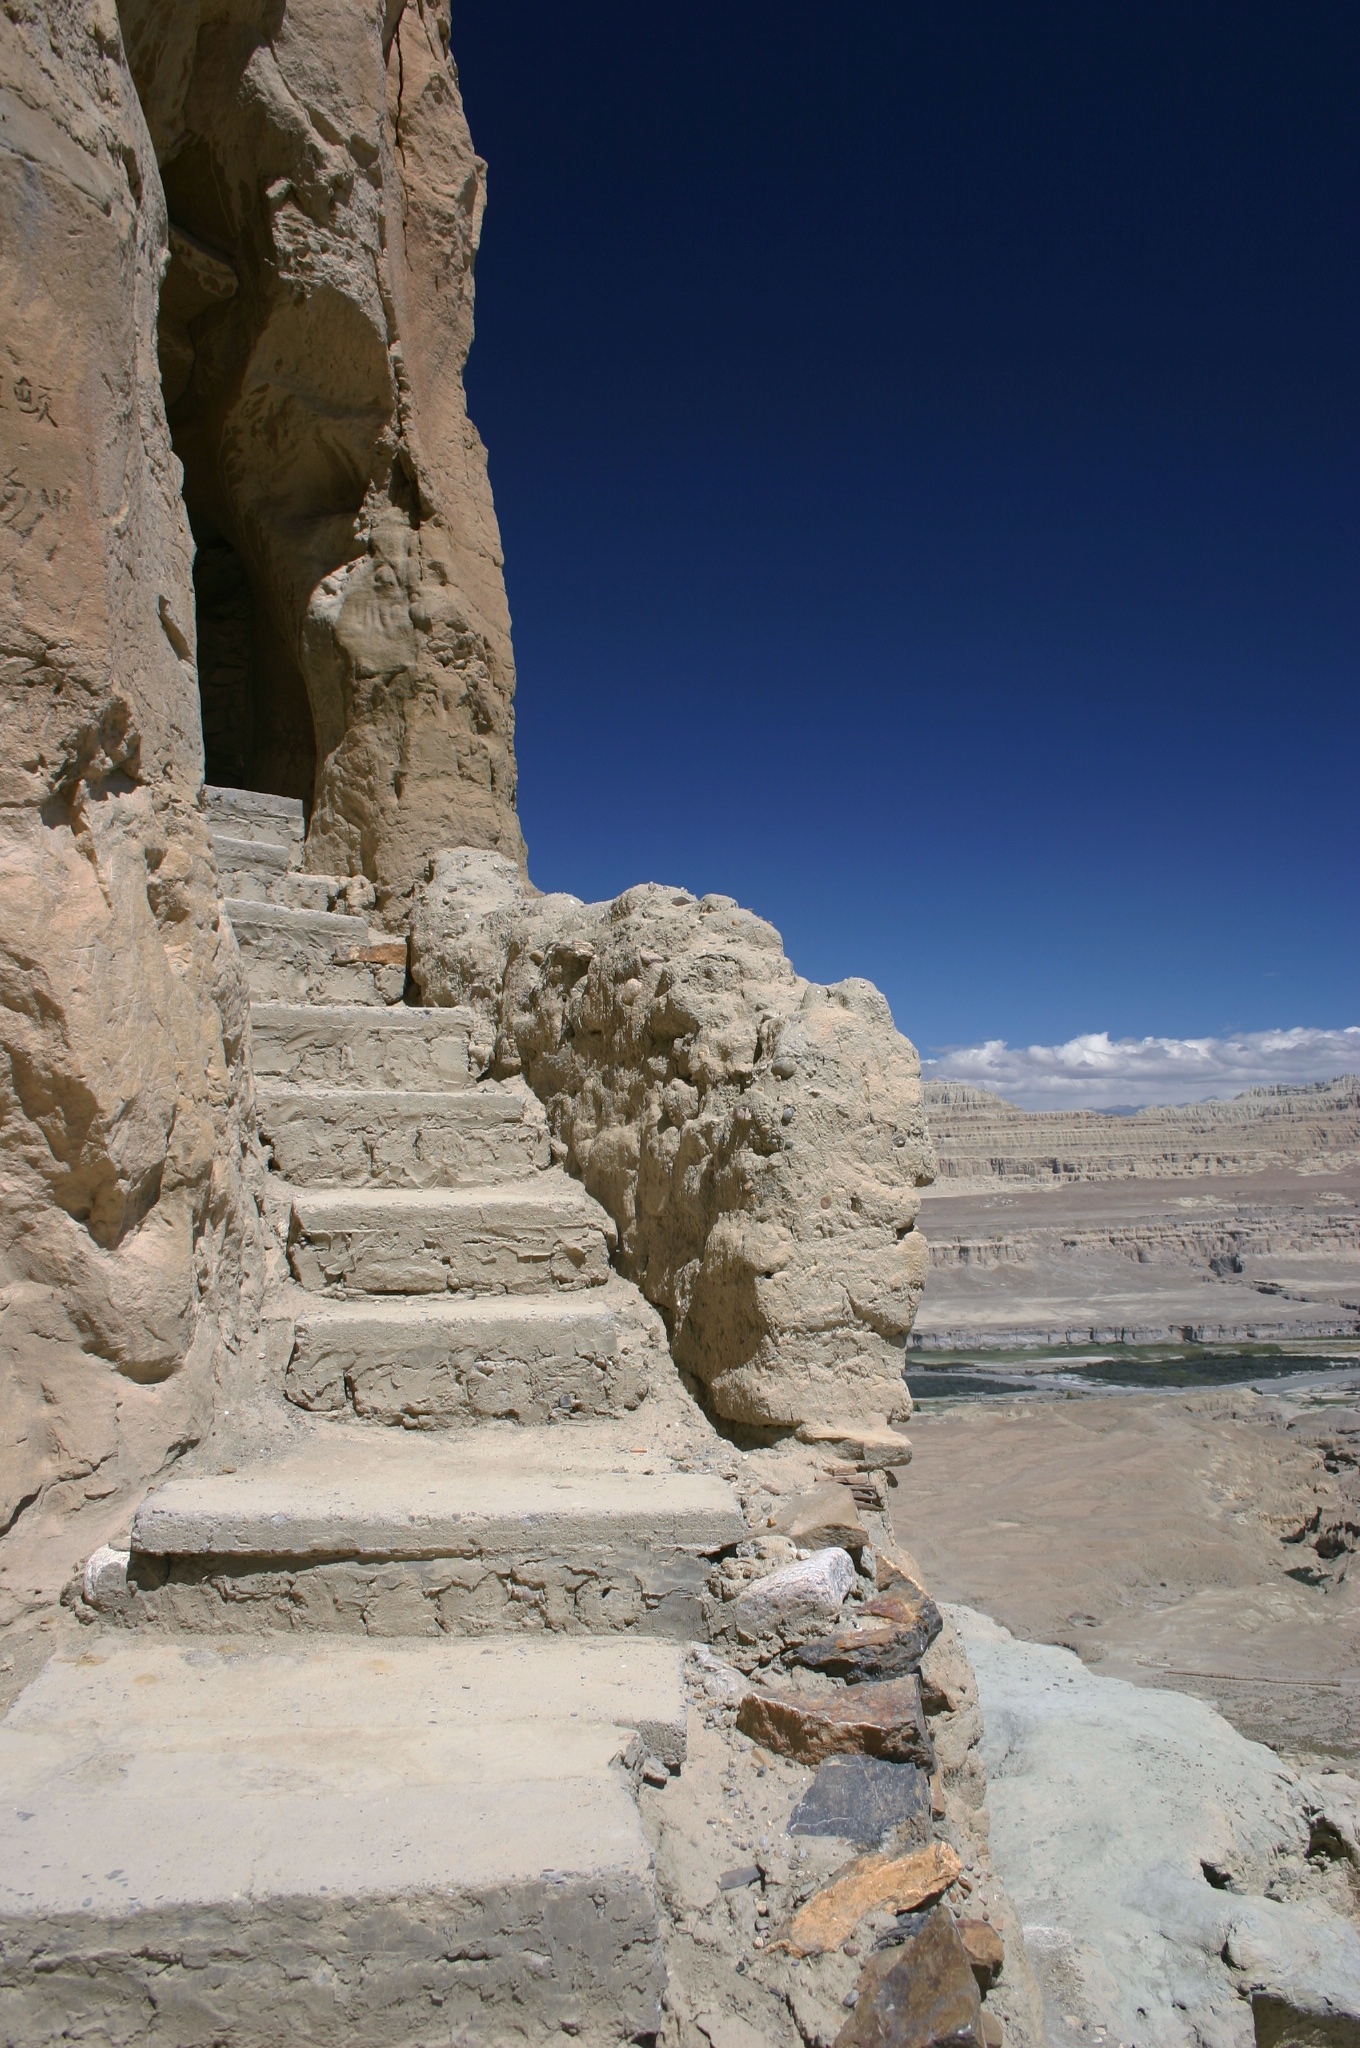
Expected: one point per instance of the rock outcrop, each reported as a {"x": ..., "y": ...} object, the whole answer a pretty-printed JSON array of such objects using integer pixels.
[
  {"x": 325, "y": 203},
  {"x": 757, "y": 1139},
  {"x": 1178, "y": 1884},
  {"x": 242, "y": 505},
  {"x": 128, "y": 1235}
]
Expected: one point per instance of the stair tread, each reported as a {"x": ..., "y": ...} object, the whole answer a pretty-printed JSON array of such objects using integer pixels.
[
  {"x": 329, "y": 925},
  {"x": 456, "y": 1791},
  {"x": 343, "y": 1491},
  {"x": 256, "y": 802}
]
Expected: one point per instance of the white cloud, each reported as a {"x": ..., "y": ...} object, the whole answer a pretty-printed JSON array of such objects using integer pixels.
[{"x": 1096, "y": 1071}]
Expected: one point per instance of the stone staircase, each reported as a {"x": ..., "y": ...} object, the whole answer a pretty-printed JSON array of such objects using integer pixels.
[{"x": 352, "y": 1770}]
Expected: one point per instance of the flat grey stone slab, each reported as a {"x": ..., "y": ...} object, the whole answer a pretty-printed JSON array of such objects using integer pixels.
[
  {"x": 366, "y": 1494},
  {"x": 542, "y": 1235},
  {"x": 862, "y": 1799},
  {"x": 339, "y": 1045},
  {"x": 1141, "y": 1837},
  {"x": 404, "y": 1138},
  {"x": 439, "y": 1363},
  {"x": 301, "y": 956},
  {"x": 331, "y": 1842}
]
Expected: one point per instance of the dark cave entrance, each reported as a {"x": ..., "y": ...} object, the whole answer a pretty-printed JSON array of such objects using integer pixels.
[
  {"x": 257, "y": 723},
  {"x": 258, "y": 731}
]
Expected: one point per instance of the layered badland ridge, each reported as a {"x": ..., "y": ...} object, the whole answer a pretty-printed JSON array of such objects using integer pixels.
[
  {"x": 1217, "y": 1222},
  {"x": 380, "y": 1239},
  {"x": 983, "y": 1140}
]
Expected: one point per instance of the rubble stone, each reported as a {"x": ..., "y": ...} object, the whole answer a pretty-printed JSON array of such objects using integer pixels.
[
  {"x": 986, "y": 1951},
  {"x": 883, "y": 1720},
  {"x": 872, "y": 1450},
  {"x": 822, "y": 1515},
  {"x": 863, "y": 1799},
  {"x": 920, "y": 1996},
  {"x": 784, "y": 1605},
  {"x": 893, "y": 1884},
  {"x": 885, "y": 1649}
]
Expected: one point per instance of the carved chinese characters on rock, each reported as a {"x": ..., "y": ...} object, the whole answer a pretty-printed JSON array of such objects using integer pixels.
[{"x": 28, "y": 498}]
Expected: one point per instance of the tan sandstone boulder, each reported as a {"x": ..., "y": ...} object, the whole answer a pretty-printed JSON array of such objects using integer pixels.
[{"x": 758, "y": 1139}]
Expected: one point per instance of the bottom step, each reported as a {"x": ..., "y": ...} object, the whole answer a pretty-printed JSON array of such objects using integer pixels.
[
  {"x": 331, "y": 1843},
  {"x": 390, "y": 1534}
]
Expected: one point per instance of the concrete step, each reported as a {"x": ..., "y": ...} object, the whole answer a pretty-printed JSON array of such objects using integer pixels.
[
  {"x": 401, "y": 1138},
  {"x": 250, "y": 867},
  {"x": 308, "y": 956},
  {"x": 316, "y": 1841},
  {"x": 339, "y": 1045},
  {"x": 250, "y": 814},
  {"x": 544, "y": 1235},
  {"x": 387, "y": 1533},
  {"x": 437, "y": 1364}
]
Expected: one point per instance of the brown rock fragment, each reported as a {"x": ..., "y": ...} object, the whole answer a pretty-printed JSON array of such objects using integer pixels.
[
  {"x": 872, "y": 1884},
  {"x": 909, "y": 1624},
  {"x": 822, "y": 1517},
  {"x": 922, "y": 1995},
  {"x": 871, "y": 1449},
  {"x": 898, "y": 1570},
  {"x": 985, "y": 1950},
  {"x": 909, "y": 1606},
  {"x": 883, "y": 1719},
  {"x": 886, "y": 1650}
]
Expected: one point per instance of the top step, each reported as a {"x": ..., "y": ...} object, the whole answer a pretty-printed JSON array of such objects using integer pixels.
[{"x": 250, "y": 814}]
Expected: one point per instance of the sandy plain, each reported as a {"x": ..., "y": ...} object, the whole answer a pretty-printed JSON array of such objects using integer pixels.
[{"x": 1158, "y": 1537}]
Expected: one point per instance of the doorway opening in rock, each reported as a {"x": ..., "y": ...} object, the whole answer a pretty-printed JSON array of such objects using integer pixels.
[
  {"x": 258, "y": 731},
  {"x": 257, "y": 723}
]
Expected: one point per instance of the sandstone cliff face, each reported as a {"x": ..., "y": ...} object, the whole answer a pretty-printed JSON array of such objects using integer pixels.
[
  {"x": 324, "y": 206},
  {"x": 758, "y": 1140},
  {"x": 240, "y": 501},
  {"x": 127, "y": 1234}
]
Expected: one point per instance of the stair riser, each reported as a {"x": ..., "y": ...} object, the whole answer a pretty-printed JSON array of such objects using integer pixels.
[
  {"x": 286, "y": 892},
  {"x": 511, "y": 1253},
  {"x": 436, "y": 1386},
  {"x": 371, "y": 974},
  {"x": 379, "y": 1972},
  {"x": 466, "y": 1143},
  {"x": 615, "y": 1584},
  {"x": 258, "y": 826},
  {"x": 401, "y": 1049},
  {"x": 267, "y": 859}
]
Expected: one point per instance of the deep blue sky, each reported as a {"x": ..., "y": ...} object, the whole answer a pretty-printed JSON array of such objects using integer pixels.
[{"x": 925, "y": 442}]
